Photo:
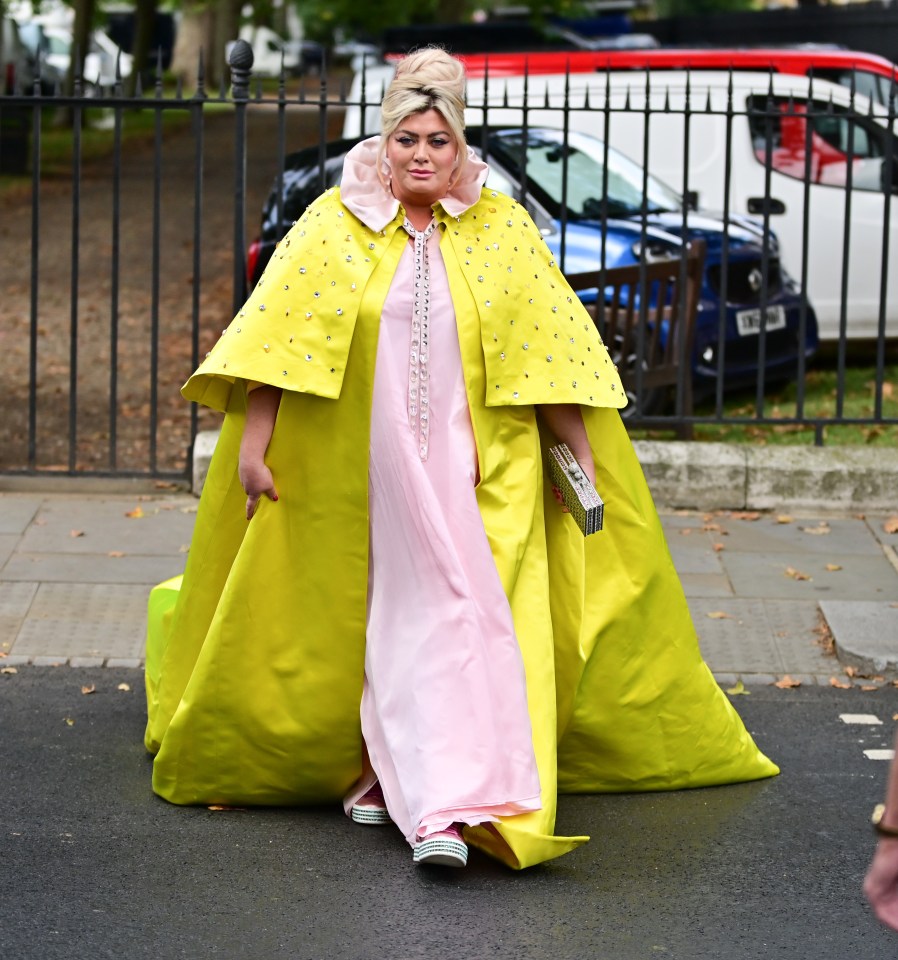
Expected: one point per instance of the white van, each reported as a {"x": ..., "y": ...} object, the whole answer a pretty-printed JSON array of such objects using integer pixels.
[{"x": 767, "y": 117}]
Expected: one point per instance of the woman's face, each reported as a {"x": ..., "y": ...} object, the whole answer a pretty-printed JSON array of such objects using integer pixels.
[{"x": 422, "y": 153}]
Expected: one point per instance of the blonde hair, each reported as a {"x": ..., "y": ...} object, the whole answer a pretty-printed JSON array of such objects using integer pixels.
[{"x": 426, "y": 79}]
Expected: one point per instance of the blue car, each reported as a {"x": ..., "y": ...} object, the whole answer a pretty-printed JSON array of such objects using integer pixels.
[{"x": 561, "y": 184}]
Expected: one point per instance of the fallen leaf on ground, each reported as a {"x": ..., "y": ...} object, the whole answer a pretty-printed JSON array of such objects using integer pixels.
[
  {"x": 718, "y": 615},
  {"x": 90, "y": 689},
  {"x": 832, "y": 567},
  {"x": 787, "y": 682},
  {"x": 76, "y": 533},
  {"x": 895, "y": 716},
  {"x": 821, "y": 528},
  {"x": 738, "y": 688},
  {"x": 784, "y": 518},
  {"x": 184, "y": 548},
  {"x": 824, "y": 637},
  {"x": 796, "y": 574},
  {"x": 135, "y": 514},
  {"x": 124, "y": 687},
  {"x": 841, "y": 684},
  {"x": 69, "y": 722},
  {"x": 888, "y": 389},
  {"x": 8, "y": 670},
  {"x": 717, "y": 547},
  {"x": 746, "y": 515},
  {"x": 891, "y": 524},
  {"x": 851, "y": 671},
  {"x": 714, "y": 528},
  {"x": 685, "y": 531},
  {"x": 115, "y": 553},
  {"x": 189, "y": 509},
  {"x": 223, "y": 806},
  {"x": 869, "y": 688},
  {"x": 165, "y": 485}
]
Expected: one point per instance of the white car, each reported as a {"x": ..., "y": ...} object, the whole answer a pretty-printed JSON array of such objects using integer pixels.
[
  {"x": 99, "y": 63},
  {"x": 270, "y": 52},
  {"x": 762, "y": 142}
]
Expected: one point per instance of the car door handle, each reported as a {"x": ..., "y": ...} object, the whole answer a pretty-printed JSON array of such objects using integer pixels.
[{"x": 766, "y": 205}]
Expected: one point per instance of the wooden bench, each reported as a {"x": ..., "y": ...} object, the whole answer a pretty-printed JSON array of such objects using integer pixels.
[{"x": 631, "y": 326}]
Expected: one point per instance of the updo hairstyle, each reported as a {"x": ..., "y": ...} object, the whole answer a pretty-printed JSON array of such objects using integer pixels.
[{"x": 427, "y": 79}]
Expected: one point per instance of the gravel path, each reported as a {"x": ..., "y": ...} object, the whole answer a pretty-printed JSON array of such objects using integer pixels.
[{"x": 94, "y": 294}]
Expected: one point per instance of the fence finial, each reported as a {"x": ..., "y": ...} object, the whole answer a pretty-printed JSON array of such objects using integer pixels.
[{"x": 240, "y": 61}]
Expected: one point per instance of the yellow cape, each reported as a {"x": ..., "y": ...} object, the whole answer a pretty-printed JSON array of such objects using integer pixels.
[{"x": 255, "y": 661}]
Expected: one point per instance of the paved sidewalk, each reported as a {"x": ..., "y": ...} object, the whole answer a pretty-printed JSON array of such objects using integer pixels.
[{"x": 766, "y": 591}]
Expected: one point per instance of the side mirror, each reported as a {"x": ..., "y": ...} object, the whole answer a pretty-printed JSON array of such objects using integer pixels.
[{"x": 884, "y": 183}]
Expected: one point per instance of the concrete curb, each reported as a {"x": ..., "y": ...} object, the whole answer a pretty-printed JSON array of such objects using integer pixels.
[
  {"x": 868, "y": 630},
  {"x": 708, "y": 476},
  {"x": 720, "y": 475}
]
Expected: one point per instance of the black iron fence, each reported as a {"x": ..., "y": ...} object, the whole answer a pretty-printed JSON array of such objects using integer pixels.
[{"x": 123, "y": 244}]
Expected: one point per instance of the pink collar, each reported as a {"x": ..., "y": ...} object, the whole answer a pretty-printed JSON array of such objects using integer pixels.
[{"x": 365, "y": 196}]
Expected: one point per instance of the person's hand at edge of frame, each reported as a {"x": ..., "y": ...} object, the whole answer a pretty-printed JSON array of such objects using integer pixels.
[
  {"x": 881, "y": 882},
  {"x": 257, "y": 481}
]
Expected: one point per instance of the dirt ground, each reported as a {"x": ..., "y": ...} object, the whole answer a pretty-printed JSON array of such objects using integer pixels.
[{"x": 75, "y": 429}]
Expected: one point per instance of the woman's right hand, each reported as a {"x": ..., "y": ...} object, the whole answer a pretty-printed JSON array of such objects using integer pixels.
[
  {"x": 255, "y": 477},
  {"x": 257, "y": 480}
]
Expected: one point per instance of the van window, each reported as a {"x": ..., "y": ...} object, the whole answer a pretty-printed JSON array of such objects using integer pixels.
[
  {"x": 836, "y": 136},
  {"x": 874, "y": 86}
]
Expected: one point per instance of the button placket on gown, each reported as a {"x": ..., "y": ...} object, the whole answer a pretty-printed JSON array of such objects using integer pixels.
[{"x": 419, "y": 352}]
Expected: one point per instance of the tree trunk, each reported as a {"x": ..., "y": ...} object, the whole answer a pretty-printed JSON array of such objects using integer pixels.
[
  {"x": 84, "y": 24},
  {"x": 206, "y": 27},
  {"x": 192, "y": 36},
  {"x": 144, "y": 57},
  {"x": 227, "y": 28}
]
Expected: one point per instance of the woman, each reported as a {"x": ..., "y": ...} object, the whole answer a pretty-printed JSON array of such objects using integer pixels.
[{"x": 388, "y": 389}]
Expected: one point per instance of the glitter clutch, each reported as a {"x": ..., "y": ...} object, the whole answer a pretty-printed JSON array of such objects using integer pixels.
[{"x": 579, "y": 495}]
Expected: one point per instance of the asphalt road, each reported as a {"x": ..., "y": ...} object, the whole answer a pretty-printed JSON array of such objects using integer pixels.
[{"x": 93, "y": 865}]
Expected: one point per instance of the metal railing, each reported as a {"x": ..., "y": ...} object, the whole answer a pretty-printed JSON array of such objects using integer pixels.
[{"x": 118, "y": 275}]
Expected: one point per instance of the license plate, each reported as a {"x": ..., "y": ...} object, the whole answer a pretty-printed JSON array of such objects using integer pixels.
[{"x": 749, "y": 321}]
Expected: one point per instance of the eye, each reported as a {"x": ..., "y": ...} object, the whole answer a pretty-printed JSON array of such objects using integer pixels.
[
  {"x": 439, "y": 142},
  {"x": 405, "y": 141}
]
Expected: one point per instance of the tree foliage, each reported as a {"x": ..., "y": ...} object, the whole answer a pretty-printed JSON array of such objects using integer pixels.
[
  {"x": 691, "y": 8},
  {"x": 325, "y": 20}
]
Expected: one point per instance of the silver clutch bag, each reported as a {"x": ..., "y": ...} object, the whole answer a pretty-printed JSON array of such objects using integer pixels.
[{"x": 579, "y": 495}]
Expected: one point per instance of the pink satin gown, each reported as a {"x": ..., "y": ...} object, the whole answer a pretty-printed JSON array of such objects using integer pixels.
[{"x": 444, "y": 709}]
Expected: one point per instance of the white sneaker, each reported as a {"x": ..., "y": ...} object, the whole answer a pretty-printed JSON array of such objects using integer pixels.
[
  {"x": 370, "y": 809},
  {"x": 443, "y": 849}
]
